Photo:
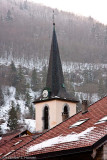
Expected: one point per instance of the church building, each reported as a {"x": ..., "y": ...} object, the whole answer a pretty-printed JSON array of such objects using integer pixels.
[
  {"x": 55, "y": 104},
  {"x": 61, "y": 133}
]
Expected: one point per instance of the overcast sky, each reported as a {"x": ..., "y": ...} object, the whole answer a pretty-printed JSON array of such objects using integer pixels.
[{"x": 94, "y": 8}]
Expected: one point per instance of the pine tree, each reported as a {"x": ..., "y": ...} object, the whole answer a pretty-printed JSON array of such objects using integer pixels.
[
  {"x": 18, "y": 111},
  {"x": 44, "y": 74},
  {"x": 105, "y": 38},
  {"x": 105, "y": 87},
  {"x": 21, "y": 6},
  {"x": 69, "y": 85},
  {"x": 101, "y": 88},
  {"x": 12, "y": 121},
  {"x": 85, "y": 74},
  {"x": 1, "y": 97},
  {"x": 25, "y": 5},
  {"x": 32, "y": 111},
  {"x": 9, "y": 15},
  {"x": 13, "y": 74},
  {"x": 27, "y": 99},
  {"x": 21, "y": 81},
  {"x": 34, "y": 80},
  {"x": 0, "y": 131}
]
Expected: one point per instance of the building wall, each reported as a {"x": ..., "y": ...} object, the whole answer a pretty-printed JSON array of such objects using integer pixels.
[
  {"x": 55, "y": 108},
  {"x": 60, "y": 108},
  {"x": 101, "y": 153}
]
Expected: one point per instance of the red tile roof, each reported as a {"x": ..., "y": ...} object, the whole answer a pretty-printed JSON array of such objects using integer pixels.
[
  {"x": 8, "y": 137},
  {"x": 97, "y": 131}
]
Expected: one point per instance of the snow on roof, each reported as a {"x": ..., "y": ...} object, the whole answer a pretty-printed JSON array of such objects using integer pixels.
[
  {"x": 78, "y": 123},
  {"x": 8, "y": 153},
  {"x": 17, "y": 142},
  {"x": 60, "y": 139},
  {"x": 102, "y": 120}
]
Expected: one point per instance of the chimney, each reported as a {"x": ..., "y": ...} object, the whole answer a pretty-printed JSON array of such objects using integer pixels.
[
  {"x": 84, "y": 106},
  {"x": 64, "y": 116}
]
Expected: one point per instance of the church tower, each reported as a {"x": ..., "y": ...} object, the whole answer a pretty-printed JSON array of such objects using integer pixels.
[{"x": 55, "y": 104}]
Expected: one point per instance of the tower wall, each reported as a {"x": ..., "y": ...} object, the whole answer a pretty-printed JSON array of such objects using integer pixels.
[
  {"x": 60, "y": 108},
  {"x": 55, "y": 108}
]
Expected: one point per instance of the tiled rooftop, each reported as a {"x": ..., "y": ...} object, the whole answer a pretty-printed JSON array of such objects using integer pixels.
[{"x": 62, "y": 137}]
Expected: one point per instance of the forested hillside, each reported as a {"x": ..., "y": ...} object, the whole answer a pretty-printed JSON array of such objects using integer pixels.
[
  {"x": 26, "y": 29},
  {"x": 25, "y": 41}
]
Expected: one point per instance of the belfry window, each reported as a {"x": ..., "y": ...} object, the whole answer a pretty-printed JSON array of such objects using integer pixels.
[
  {"x": 46, "y": 118},
  {"x": 65, "y": 113}
]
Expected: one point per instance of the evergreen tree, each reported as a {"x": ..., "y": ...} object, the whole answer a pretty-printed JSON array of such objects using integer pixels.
[
  {"x": 27, "y": 99},
  {"x": 44, "y": 75},
  {"x": 21, "y": 81},
  {"x": 13, "y": 74},
  {"x": 12, "y": 121},
  {"x": 34, "y": 80},
  {"x": 105, "y": 38},
  {"x": 88, "y": 76},
  {"x": 101, "y": 93},
  {"x": 85, "y": 74},
  {"x": 25, "y": 5},
  {"x": 32, "y": 111},
  {"x": 18, "y": 111},
  {"x": 69, "y": 85},
  {"x": 21, "y": 6},
  {"x": 71, "y": 89},
  {"x": 1, "y": 97},
  {"x": 9, "y": 15},
  {"x": 105, "y": 87},
  {"x": 0, "y": 131}
]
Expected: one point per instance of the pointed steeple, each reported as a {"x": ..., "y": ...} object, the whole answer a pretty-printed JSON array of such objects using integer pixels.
[{"x": 55, "y": 78}]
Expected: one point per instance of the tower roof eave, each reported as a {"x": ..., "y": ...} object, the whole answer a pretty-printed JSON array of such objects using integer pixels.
[{"x": 55, "y": 98}]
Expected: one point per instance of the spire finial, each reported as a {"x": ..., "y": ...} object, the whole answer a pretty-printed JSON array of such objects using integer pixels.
[{"x": 53, "y": 18}]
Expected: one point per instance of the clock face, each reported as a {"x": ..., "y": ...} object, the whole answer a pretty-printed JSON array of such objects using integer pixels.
[{"x": 45, "y": 93}]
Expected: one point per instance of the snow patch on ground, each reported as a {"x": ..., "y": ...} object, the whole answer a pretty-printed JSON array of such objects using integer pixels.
[
  {"x": 87, "y": 96},
  {"x": 60, "y": 139},
  {"x": 4, "y": 127},
  {"x": 31, "y": 63},
  {"x": 31, "y": 124},
  {"x": 75, "y": 66},
  {"x": 39, "y": 64},
  {"x": 9, "y": 96}
]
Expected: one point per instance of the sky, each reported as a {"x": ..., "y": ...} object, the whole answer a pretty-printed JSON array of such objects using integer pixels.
[{"x": 94, "y": 8}]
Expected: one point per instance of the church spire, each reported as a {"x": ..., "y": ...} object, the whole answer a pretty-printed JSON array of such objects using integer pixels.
[{"x": 55, "y": 79}]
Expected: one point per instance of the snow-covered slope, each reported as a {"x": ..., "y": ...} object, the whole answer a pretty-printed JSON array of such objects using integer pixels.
[
  {"x": 9, "y": 96},
  {"x": 39, "y": 64}
]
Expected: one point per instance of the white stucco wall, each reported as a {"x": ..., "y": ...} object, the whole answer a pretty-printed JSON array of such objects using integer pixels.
[
  {"x": 60, "y": 106},
  {"x": 55, "y": 112}
]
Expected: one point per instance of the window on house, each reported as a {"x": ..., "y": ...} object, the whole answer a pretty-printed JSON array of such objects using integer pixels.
[
  {"x": 104, "y": 119},
  {"x": 78, "y": 123},
  {"x": 46, "y": 118},
  {"x": 65, "y": 113}
]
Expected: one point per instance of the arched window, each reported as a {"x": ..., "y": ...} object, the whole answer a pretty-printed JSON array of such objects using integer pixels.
[
  {"x": 46, "y": 119},
  {"x": 66, "y": 110},
  {"x": 65, "y": 113}
]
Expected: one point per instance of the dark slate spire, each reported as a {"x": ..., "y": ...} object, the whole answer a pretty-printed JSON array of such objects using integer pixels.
[
  {"x": 55, "y": 79},
  {"x": 55, "y": 87}
]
